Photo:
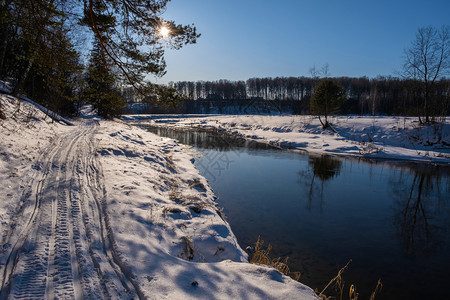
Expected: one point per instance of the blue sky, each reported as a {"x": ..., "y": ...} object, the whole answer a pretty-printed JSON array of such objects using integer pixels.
[{"x": 260, "y": 38}]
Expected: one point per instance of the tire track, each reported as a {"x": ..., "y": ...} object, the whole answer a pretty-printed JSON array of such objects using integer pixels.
[
  {"x": 18, "y": 238},
  {"x": 49, "y": 243},
  {"x": 27, "y": 203},
  {"x": 66, "y": 248}
]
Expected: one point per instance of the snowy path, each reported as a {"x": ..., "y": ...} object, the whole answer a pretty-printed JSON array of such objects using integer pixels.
[{"x": 60, "y": 243}]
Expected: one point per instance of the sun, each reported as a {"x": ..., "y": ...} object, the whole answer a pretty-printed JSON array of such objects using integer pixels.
[{"x": 164, "y": 31}]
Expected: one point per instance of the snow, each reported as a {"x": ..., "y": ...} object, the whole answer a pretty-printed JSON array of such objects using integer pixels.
[
  {"x": 379, "y": 137},
  {"x": 103, "y": 209},
  {"x": 5, "y": 87}
]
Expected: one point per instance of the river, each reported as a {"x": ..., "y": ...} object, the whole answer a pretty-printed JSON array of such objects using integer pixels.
[{"x": 391, "y": 219}]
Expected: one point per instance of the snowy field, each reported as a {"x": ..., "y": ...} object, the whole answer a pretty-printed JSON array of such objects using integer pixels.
[
  {"x": 396, "y": 138},
  {"x": 102, "y": 209}
]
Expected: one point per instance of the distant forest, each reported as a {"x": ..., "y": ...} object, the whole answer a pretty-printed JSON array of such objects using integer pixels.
[{"x": 378, "y": 96}]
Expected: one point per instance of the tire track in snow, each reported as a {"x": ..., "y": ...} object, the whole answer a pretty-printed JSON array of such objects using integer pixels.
[
  {"x": 66, "y": 248},
  {"x": 17, "y": 238},
  {"x": 47, "y": 246}
]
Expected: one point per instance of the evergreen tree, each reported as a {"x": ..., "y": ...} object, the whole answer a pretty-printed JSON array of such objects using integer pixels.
[
  {"x": 101, "y": 83},
  {"x": 37, "y": 53},
  {"x": 6, "y": 35},
  {"x": 30, "y": 36},
  {"x": 133, "y": 41},
  {"x": 326, "y": 100},
  {"x": 55, "y": 74}
]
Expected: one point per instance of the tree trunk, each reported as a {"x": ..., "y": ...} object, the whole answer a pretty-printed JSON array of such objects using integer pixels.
[
  {"x": 426, "y": 104},
  {"x": 321, "y": 122},
  {"x": 22, "y": 79},
  {"x": 2, "y": 56},
  {"x": 5, "y": 12}
]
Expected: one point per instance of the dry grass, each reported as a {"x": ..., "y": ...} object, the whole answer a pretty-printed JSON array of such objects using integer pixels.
[
  {"x": 377, "y": 290},
  {"x": 352, "y": 294},
  {"x": 172, "y": 210},
  {"x": 339, "y": 287},
  {"x": 170, "y": 163},
  {"x": 193, "y": 202},
  {"x": 188, "y": 249},
  {"x": 338, "y": 283},
  {"x": 261, "y": 256},
  {"x": 174, "y": 195},
  {"x": 196, "y": 183}
]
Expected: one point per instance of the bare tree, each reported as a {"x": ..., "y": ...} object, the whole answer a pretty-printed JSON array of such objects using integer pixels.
[
  {"x": 326, "y": 70},
  {"x": 428, "y": 59},
  {"x": 315, "y": 74}
]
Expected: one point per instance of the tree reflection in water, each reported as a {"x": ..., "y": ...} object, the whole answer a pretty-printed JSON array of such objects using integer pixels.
[
  {"x": 322, "y": 168},
  {"x": 207, "y": 139},
  {"x": 421, "y": 209}
]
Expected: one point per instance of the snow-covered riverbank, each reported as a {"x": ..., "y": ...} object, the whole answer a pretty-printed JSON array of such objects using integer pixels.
[
  {"x": 397, "y": 138},
  {"x": 103, "y": 209}
]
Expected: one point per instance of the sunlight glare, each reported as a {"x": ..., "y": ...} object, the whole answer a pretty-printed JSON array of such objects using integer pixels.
[{"x": 164, "y": 31}]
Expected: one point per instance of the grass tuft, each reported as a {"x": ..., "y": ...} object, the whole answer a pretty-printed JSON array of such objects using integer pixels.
[
  {"x": 377, "y": 290},
  {"x": 188, "y": 249},
  {"x": 352, "y": 294},
  {"x": 338, "y": 283},
  {"x": 261, "y": 256}
]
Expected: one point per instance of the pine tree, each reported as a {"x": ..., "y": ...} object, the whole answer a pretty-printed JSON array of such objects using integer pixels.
[
  {"x": 101, "y": 88},
  {"x": 55, "y": 74},
  {"x": 326, "y": 100},
  {"x": 37, "y": 53},
  {"x": 127, "y": 37},
  {"x": 133, "y": 41}
]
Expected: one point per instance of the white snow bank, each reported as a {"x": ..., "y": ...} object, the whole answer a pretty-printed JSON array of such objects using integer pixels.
[
  {"x": 48, "y": 112},
  {"x": 168, "y": 227},
  {"x": 5, "y": 87},
  {"x": 164, "y": 221},
  {"x": 371, "y": 137}
]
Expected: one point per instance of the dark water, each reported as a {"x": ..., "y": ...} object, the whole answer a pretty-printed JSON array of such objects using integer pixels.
[{"x": 392, "y": 219}]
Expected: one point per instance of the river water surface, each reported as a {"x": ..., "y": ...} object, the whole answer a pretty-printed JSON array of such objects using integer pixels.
[{"x": 391, "y": 219}]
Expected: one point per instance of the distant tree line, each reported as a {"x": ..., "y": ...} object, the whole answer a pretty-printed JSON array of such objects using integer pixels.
[
  {"x": 380, "y": 95},
  {"x": 423, "y": 90}
]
